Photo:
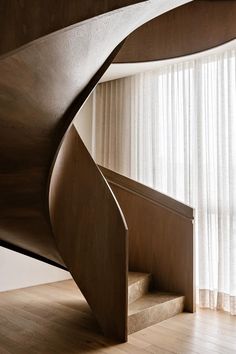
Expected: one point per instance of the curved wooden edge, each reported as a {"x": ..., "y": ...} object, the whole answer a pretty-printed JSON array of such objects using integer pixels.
[
  {"x": 188, "y": 29},
  {"x": 91, "y": 234},
  {"x": 161, "y": 238},
  {"x": 148, "y": 193}
]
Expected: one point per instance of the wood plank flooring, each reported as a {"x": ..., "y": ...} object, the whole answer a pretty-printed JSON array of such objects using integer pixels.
[{"x": 55, "y": 318}]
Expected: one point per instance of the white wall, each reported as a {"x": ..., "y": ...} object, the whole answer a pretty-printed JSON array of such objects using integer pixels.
[{"x": 19, "y": 271}]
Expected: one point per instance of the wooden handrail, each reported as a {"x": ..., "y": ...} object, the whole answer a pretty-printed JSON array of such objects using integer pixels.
[{"x": 144, "y": 191}]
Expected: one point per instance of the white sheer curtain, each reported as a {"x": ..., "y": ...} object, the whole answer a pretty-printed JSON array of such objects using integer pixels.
[{"x": 175, "y": 129}]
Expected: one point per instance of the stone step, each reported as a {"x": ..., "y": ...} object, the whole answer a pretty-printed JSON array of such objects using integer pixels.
[
  {"x": 138, "y": 285},
  {"x": 152, "y": 308}
]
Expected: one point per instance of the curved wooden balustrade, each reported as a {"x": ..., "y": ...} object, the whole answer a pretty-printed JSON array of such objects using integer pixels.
[
  {"x": 160, "y": 235},
  {"x": 42, "y": 86},
  {"x": 91, "y": 234}
]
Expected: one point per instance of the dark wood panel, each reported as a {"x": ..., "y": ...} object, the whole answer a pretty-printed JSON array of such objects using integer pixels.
[
  {"x": 160, "y": 238},
  {"x": 91, "y": 234},
  {"x": 22, "y": 21},
  {"x": 190, "y": 28}
]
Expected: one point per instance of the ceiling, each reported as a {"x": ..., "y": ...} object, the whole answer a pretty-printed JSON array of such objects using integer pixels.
[{"x": 117, "y": 71}]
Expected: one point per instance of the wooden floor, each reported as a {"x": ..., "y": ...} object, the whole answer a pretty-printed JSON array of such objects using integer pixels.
[{"x": 55, "y": 318}]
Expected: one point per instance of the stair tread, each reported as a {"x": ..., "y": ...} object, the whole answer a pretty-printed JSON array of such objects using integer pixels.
[
  {"x": 134, "y": 277},
  {"x": 151, "y": 299}
]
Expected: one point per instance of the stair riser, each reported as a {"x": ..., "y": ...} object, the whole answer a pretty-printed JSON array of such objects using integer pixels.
[
  {"x": 155, "y": 314},
  {"x": 139, "y": 289}
]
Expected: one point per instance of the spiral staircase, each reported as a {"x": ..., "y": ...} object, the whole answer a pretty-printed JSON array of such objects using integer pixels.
[{"x": 128, "y": 248}]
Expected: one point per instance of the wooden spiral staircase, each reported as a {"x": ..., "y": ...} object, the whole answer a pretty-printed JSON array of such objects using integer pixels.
[{"x": 56, "y": 204}]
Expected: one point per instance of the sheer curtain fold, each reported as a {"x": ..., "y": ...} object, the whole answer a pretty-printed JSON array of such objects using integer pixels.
[{"x": 174, "y": 129}]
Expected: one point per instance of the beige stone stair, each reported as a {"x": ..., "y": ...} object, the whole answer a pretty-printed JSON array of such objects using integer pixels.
[
  {"x": 146, "y": 306},
  {"x": 139, "y": 285}
]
